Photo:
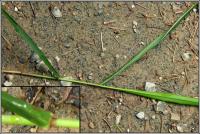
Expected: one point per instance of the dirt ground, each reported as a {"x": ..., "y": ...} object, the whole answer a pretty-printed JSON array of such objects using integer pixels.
[
  {"x": 76, "y": 39},
  {"x": 61, "y": 101}
]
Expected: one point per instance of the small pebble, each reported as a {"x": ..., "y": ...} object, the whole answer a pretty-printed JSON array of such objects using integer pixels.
[
  {"x": 135, "y": 23},
  {"x": 117, "y": 56},
  {"x": 182, "y": 73},
  {"x": 140, "y": 115},
  {"x": 141, "y": 43},
  {"x": 125, "y": 57},
  {"x": 181, "y": 127},
  {"x": 175, "y": 116},
  {"x": 56, "y": 12},
  {"x": 67, "y": 45},
  {"x": 161, "y": 106},
  {"x": 118, "y": 119},
  {"x": 151, "y": 87},
  {"x": 132, "y": 6},
  {"x": 66, "y": 83},
  {"x": 153, "y": 117},
  {"x": 7, "y": 83},
  {"x": 57, "y": 59},
  {"x": 128, "y": 130},
  {"x": 91, "y": 125},
  {"x": 195, "y": 10},
  {"x": 9, "y": 77},
  {"x": 135, "y": 30},
  {"x": 120, "y": 100},
  {"x": 90, "y": 76},
  {"x": 47, "y": 83},
  {"x": 186, "y": 56},
  {"x": 16, "y": 9}
]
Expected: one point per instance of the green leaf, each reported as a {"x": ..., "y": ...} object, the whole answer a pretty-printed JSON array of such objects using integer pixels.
[
  {"x": 30, "y": 42},
  {"x": 36, "y": 115},
  {"x": 153, "y": 44}
]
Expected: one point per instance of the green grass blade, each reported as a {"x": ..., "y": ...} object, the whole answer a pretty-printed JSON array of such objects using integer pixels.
[
  {"x": 30, "y": 42},
  {"x": 15, "y": 120},
  {"x": 167, "y": 97},
  {"x": 18, "y": 120},
  {"x": 36, "y": 115},
  {"x": 153, "y": 44}
]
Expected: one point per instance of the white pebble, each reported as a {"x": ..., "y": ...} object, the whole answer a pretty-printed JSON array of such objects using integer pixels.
[
  {"x": 132, "y": 6},
  {"x": 141, "y": 43},
  {"x": 195, "y": 10},
  {"x": 57, "y": 59},
  {"x": 179, "y": 128},
  {"x": 140, "y": 115},
  {"x": 186, "y": 56},
  {"x": 135, "y": 23},
  {"x": 56, "y": 12},
  {"x": 117, "y": 56},
  {"x": 120, "y": 100},
  {"x": 7, "y": 83},
  {"x": 160, "y": 78},
  {"x": 151, "y": 87},
  {"x": 16, "y": 9},
  {"x": 153, "y": 117},
  {"x": 118, "y": 119},
  {"x": 66, "y": 83},
  {"x": 135, "y": 30},
  {"x": 128, "y": 130}
]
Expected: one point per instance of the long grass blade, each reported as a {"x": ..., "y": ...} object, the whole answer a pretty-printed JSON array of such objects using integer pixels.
[
  {"x": 30, "y": 42},
  {"x": 36, "y": 115},
  {"x": 153, "y": 44},
  {"x": 167, "y": 97},
  {"x": 18, "y": 120}
]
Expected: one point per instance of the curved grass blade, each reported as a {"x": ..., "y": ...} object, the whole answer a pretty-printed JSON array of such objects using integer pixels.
[
  {"x": 30, "y": 42},
  {"x": 153, "y": 44},
  {"x": 167, "y": 97},
  {"x": 36, "y": 115},
  {"x": 18, "y": 120}
]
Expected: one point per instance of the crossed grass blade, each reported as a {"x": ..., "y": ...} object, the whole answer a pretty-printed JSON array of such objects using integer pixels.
[{"x": 36, "y": 115}]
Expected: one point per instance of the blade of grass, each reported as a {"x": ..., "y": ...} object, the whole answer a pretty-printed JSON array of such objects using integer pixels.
[
  {"x": 36, "y": 115},
  {"x": 18, "y": 120},
  {"x": 167, "y": 97},
  {"x": 153, "y": 44},
  {"x": 30, "y": 42}
]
